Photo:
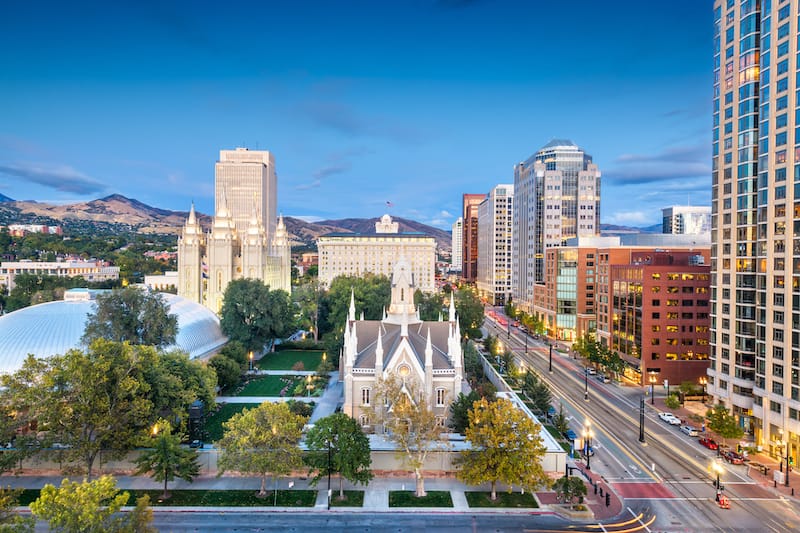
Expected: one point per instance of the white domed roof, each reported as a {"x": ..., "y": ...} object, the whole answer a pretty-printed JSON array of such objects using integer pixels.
[{"x": 54, "y": 328}]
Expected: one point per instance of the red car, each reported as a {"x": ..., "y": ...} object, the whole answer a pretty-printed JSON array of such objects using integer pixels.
[
  {"x": 711, "y": 444},
  {"x": 733, "y": 457}
]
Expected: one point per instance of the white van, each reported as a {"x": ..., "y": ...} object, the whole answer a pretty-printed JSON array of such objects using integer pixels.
[{"x": 689, "y": 430}]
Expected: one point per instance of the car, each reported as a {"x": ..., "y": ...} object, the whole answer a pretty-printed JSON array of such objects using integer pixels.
[
  {"x": 196, "y": 443},
  {"x": 591, "y": 371},
  {"x": 708, "y": 442},
  {"x": 570, "y": 435},
  {"x": 733, "y": 458},
  {"x": 669, "y": 418},
  {"x": 602, "y": 378},
  {"x": 689, "y": 430}
]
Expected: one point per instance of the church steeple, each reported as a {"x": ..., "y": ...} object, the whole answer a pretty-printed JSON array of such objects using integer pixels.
[{"x": 402, "y": 308}]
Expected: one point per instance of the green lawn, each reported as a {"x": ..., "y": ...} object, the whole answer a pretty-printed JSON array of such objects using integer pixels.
[
  {"x": 504, "y": 499},
  {"x": 215, "y": 420},
  {"x": 434, "y": 498},
  {"x": 286, "y": 359},
  {"x": 352, "y": 498},
  {"x": 229, "y": 498},
  {"x": 270, "y": 386}
]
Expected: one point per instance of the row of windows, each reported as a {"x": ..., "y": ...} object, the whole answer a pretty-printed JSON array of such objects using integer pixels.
[{"x": 366, "y": 394}]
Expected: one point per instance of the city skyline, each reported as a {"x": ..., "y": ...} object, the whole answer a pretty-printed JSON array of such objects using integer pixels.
[{"x": 362, "y": 105}]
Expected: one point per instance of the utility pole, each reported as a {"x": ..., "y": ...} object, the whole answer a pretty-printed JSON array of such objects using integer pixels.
[{"x": 641, "y": 419}]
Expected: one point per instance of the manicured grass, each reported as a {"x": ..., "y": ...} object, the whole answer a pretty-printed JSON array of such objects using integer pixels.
[
  {"x": 286, "y": 359},
  {"x": 229, "y": 498},
  {"x": 434, "y": 498},
  {"x": 270, "y": 386},
  {"x": 352, "y": 498},
  {"x": 504, "y": 499},
  {"x": 214, "y": 421}
]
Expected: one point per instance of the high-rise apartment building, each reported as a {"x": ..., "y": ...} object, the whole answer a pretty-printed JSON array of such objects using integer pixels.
[
  {"x": 686, "y": 219},
  {"x": 457, "y": 239},
  {"x": 494, "y": 245},
  {"x": 755, "y": 253},
  {"x": 556, "y": 197},
  {"x": 245, "y": 239},
  {"x": 469, "y": 241}
]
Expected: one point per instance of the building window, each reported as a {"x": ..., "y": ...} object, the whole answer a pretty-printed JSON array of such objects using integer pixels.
[
  {"x": 365, "y": 396},
  {"x": 441, "y": 395},
  {"x": 363, "y": 420}
]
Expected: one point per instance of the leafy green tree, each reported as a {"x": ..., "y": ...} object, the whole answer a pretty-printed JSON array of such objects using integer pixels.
[
  {"x": 569, "y": 488},
  {"x": 253, "y": 314},
  {"x": 472, "y": 362},
  {"x": 490, "y": 344},
  {"x": 459, "y": 410},
  {"x": 307, "y": 296},
  {"x": 167, "y": 459},
  {"x": 229, "y": 373},
  {"x": 537, "y": 391},
  {"x": 91, "y": 507},
  {"x": 470, "y": 313},
  {"x": 132, "y": 315},
  {"x": 723, "y": 423},
  {"x": 560, "y": 420},
  {"x": 505, "y": 447},
  {"x": 672, "y": 401},
  {"x": 10, "y": 520},
  {"x": 411, "y": 422},
  {"x": 263, "y": 440},
  {"x": 236, "y": 351},
  {"x": 430, "y": 305},
  {"x": 338, "y": 442}
]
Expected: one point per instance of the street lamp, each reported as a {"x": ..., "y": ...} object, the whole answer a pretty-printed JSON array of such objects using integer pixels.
[
  {"x": 309, "y": 386},
  {"x": 250, "y": 355},
  {"x": 587, "y": 443},
  {"x": 783, "y": 446},
  {"x": 329, "y": 473},
  {"x": 652, "y": 389},
  {"x": 703, "y": 382},
  {"x": 717, "y": 469},
  {"x": 586, "y": 384},
  {"x": 550, "y": 369}
]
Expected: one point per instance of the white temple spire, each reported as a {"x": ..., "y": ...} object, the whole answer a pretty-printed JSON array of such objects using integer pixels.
[{"x": 352, "y": 312}]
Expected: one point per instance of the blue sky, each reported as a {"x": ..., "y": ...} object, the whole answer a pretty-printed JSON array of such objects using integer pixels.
[{"x": 361, "y": 103}]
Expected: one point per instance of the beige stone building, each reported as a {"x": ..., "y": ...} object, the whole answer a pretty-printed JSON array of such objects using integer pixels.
[
  {"x": 355, "y": 254},
  {"x": 93, "y": 270},
  {"x": 246, "y": 239},
  {"x": 426, "y": 353}
]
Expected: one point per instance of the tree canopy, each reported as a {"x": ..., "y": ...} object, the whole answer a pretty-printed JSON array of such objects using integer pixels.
[
  {"x": 722, "y": 422},
  {"x": 262, "y": 440},
  {"x": 132, "y": 315},
  {"x": 91, "y": 507},
  {"x": 430, "y": 305},
  {"x": 505, "y": 447},
  {"x": 411, "y": 422},
  {"x": 470, "y": 313},
  {"x": 349, "y": 450},
  {"x": 167, "y": 459},
  {"x": 253, "y": 314}
]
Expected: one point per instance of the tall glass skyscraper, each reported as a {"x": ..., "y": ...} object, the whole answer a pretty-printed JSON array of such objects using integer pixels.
[
  {"x": 557, "y": 197},
  {"x": 755, "y": 251}
]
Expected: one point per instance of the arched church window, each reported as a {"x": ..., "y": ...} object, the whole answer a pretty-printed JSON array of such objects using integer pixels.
[
  {"x": 402, "y": 295},
  {"x": 219, "y": 280}
]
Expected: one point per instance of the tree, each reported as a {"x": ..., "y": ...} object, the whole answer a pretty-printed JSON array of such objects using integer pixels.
[
  {"x": 723, "y": 423},
  {"x": 252, "y": 314},
  {"x": 91, "y": 507},
  {"x": 505, "y": 447},
  {"x": 236, "y": 351},
  {"x": 470, "y": 313},
  {"x": 430, "y": 305},
  {"x": 263, "y": 440},
  {"x": 133, "y": 315},
  {"x": 560, "y": 420},
  {"x": 167, "y": 459},
  {"x": 10, "y": 521},
  {"x": 411, "y": 422},
  {"x": 537, "y": 391},
  {"x": 459, "y": 410},
  {"x": 229, "y": 373},
  {"x": 569, "y": 488},
  {"x": 338, "y": 442}
]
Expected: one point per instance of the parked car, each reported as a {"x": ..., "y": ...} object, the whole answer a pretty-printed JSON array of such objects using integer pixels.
[
  {"x": 591, "y": 371},
  {"x": 669, "y": 418},
  {"x": 689, "y": 430},
  {"x": 602, "y": 378},
  {"x": 733, "y": 457},
  {"x": 570, "y": 435},
  {"x": 709, "y": 443}
]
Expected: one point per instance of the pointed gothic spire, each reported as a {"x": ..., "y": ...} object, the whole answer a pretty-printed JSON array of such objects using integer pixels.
[
  {"x": 384, "y": 313},
  {"x": 192, "y": 217},
  {"x": 452, "y": 308},
  {"x": 362, "y": 315},
  {"x": 428, "y": 350},
  {"x": 379, "y": 352},
  {"x": 352, "y": 312}
]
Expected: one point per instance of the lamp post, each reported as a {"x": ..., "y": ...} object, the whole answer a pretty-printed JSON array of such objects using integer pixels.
[
  {"x": 641, "y": 419},
  {"x": 652, "y": 389},
  {"x": 550, "y": 369},
  {"x": 329, "y": 473},
  {"x": 717, "y": 469},
  {"x": 586, "y": 384},
  {"x": 703, "y": 382},
  {"x": 309, "y": 386},
  {"x": 587, "y": 443},
  {"x": 250, "y": 356},
  {"x": 783, "y": 448}
]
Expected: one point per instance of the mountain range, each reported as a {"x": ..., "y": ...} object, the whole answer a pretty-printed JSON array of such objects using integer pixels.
[{"x": 118, "y": 213}]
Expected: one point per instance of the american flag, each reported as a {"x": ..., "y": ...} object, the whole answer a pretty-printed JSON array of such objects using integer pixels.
[{"x": 389, "y": 204}]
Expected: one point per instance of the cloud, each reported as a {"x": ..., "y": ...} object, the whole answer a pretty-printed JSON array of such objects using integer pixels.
[
  {"x": 331, "y": 170},
  {"x": 306, "y": 186},
  {"x": 630, "y": 217},
  {"x": 345, "y": 119},
  {"x": 676, "y": 163},
  {"x": 61, "y": 177}
]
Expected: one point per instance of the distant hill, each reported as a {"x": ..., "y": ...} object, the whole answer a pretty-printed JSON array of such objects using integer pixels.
[
  {"x": 4, "y": 198},
  {"x": 116, "y": 214},
  {"x": 612, "y": 229}
]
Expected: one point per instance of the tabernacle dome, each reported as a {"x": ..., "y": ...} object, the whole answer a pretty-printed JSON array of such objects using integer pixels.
[{"x": 54, "y": 328}]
